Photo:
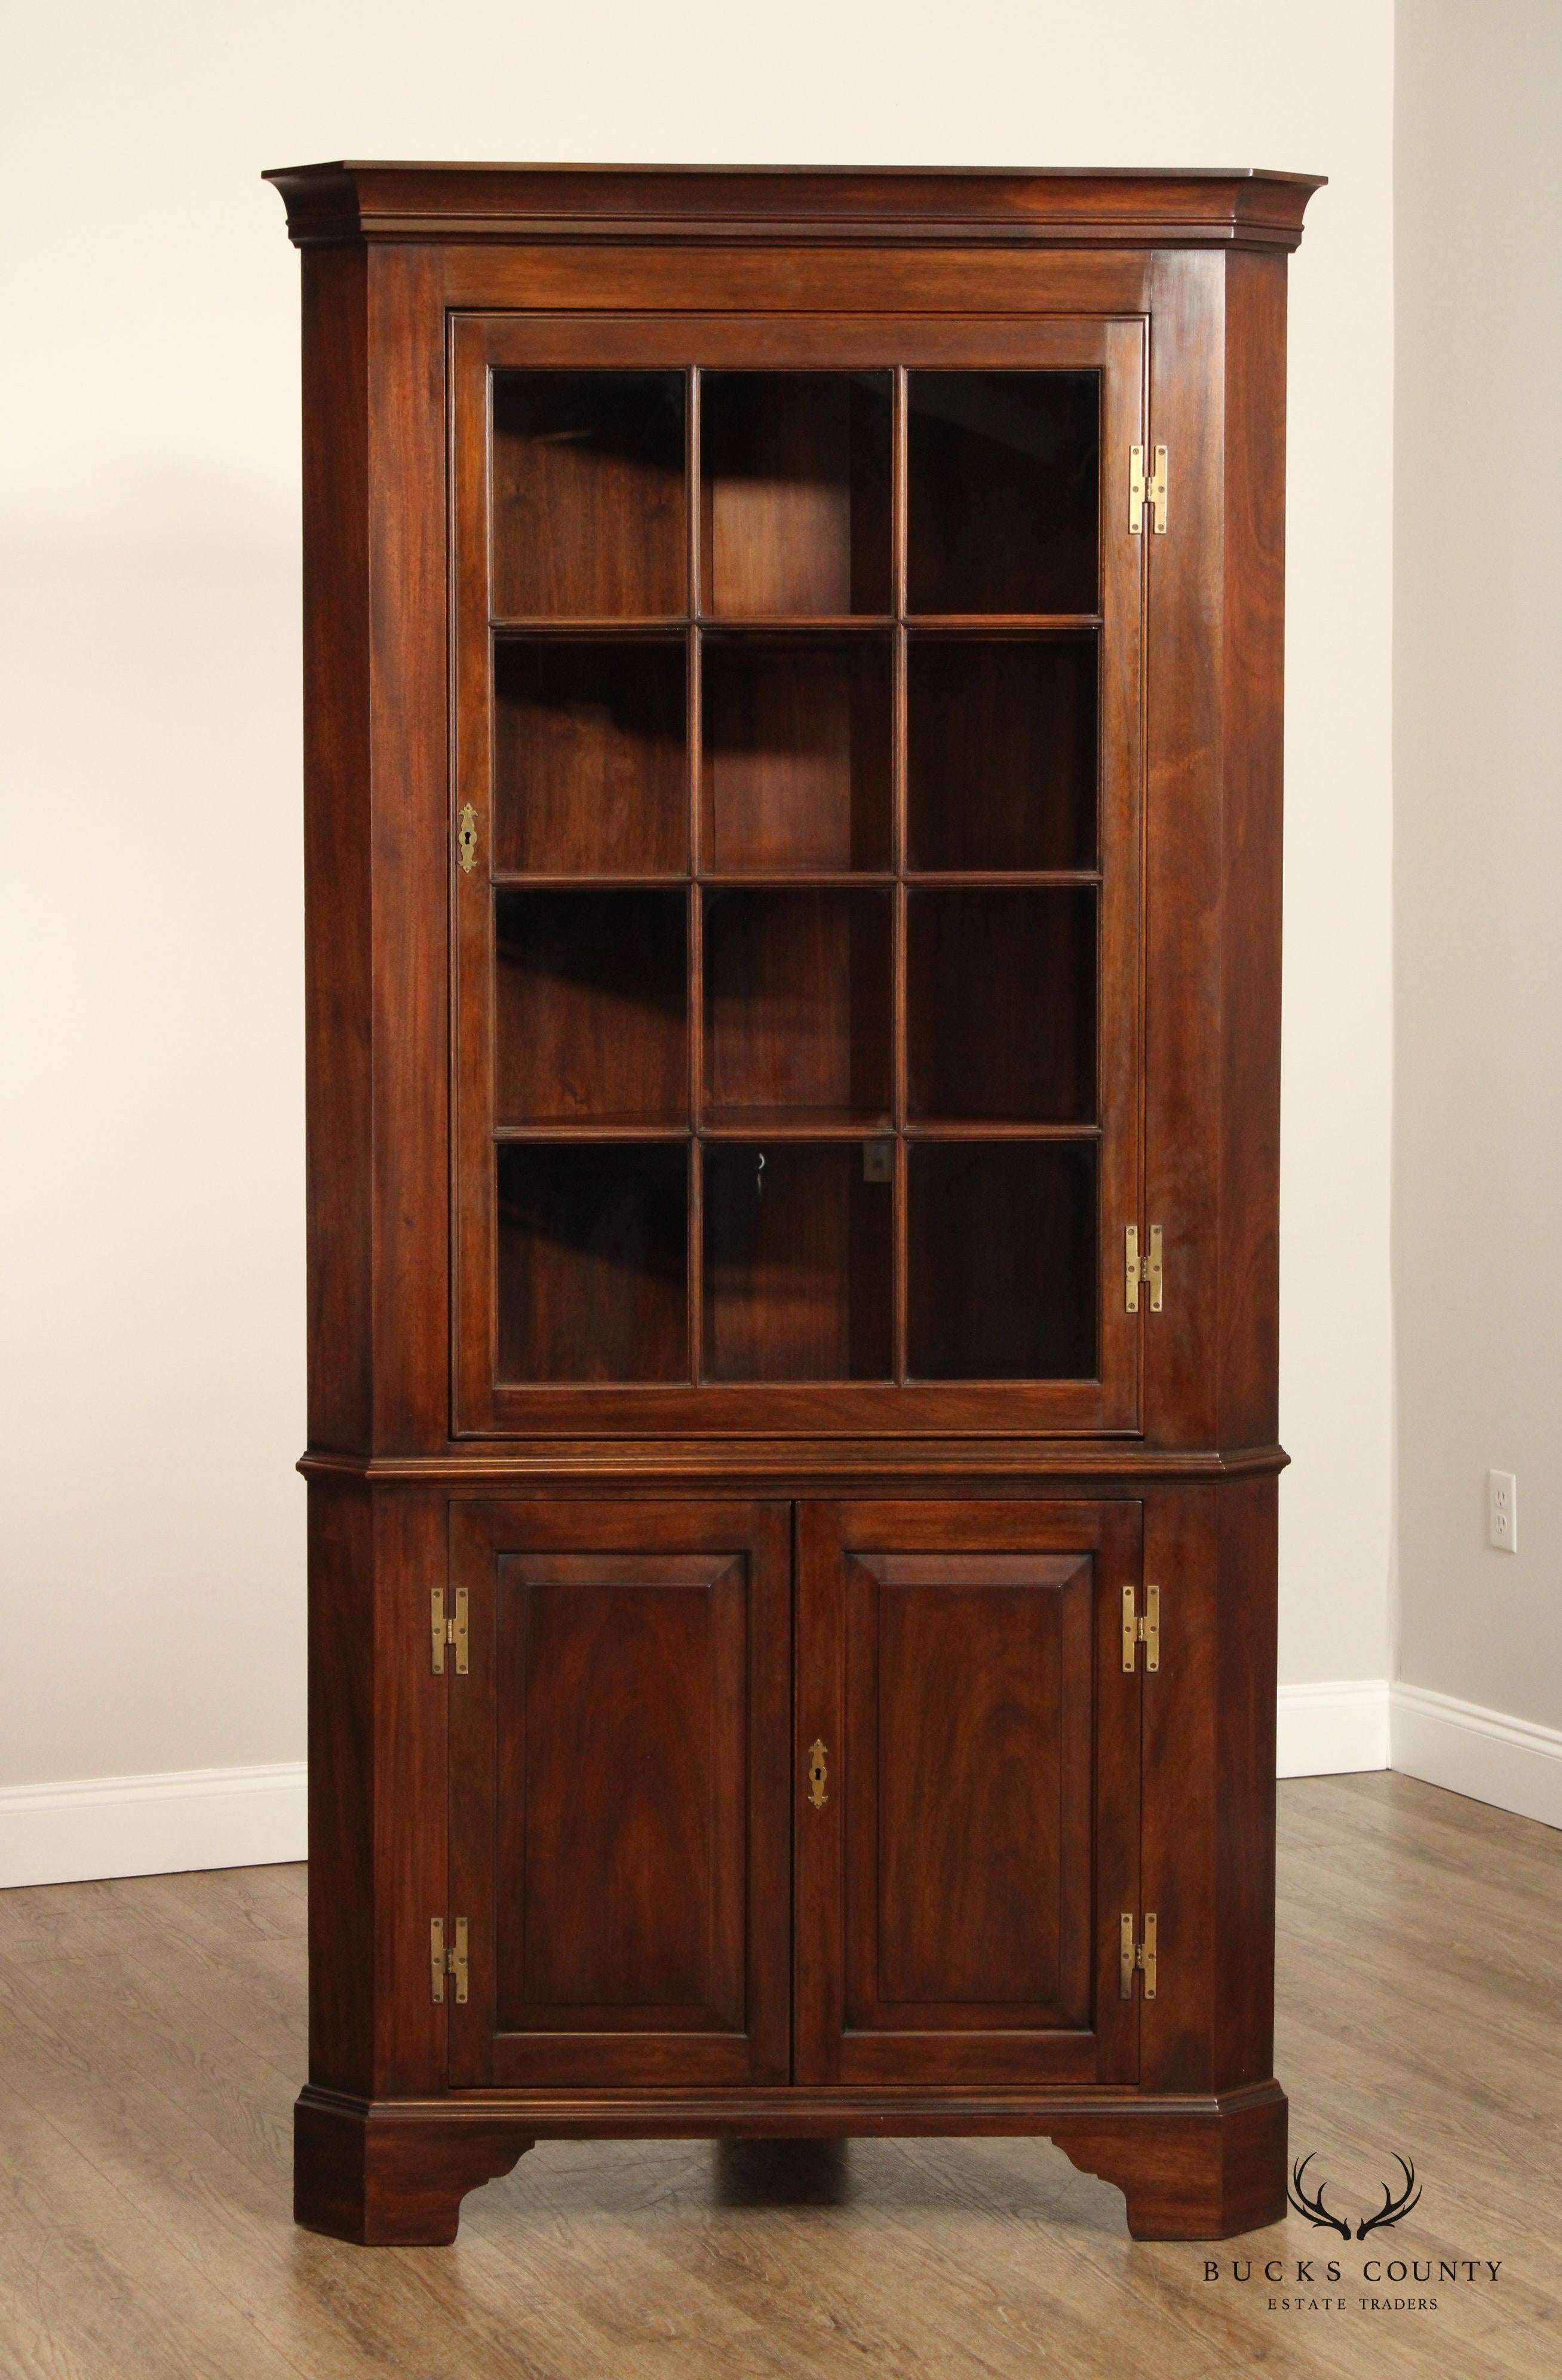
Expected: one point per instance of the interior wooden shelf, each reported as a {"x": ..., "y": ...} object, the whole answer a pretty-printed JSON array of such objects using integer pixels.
[
  {"x": 795, "y": 753},
  {"x": 1003, "y": 479},
  {"x": 1000, "y": 1004},
  {"x": 798, "y": 1269},
  {"x": 797, "y": 1002},
  {"x": 784, "y": 880},
  {"x": 590, "y": 756},
  {"x": 610, "y": 1127},
  {"x": 1001, "y": 760},
  {"x": 795, "y": 1124},
  {"x": 1003, "y": 1260},
  {"x": 590, "y": 1005},
  {"x": 593, "y": 1261},
  {"x": 996, "y": 1128},
  {"x": 1003, "y": 624},
  {"x": 796, "y": 476}
]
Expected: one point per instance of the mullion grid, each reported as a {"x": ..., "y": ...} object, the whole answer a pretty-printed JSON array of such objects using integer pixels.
[
  {"x": 696, "y": 1019},
  {"x": 898, "y": 1055}
]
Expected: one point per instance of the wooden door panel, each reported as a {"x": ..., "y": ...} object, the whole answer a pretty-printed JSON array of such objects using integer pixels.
[
  {"x": 620, "y": 1819},
  {"x": 968, "y": 1828},
  {"x": 960, "y": 1888}
]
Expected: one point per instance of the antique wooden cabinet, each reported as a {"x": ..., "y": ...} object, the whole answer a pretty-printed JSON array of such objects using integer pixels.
[{"x": 793, "y": 811}]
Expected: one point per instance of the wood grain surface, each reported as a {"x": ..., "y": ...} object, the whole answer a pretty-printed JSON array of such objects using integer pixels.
[{"x": 151, "y": 2032}]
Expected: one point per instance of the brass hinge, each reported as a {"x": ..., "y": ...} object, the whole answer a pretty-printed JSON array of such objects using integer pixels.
[
  {"x": 1143, "y": 1956},
  {"x": 444, "y": 1631},
  {"x": 1145, "y": 1632},
  {"x": 443, "y": 1962},
  {"x": 1143, "y": 490},
  {"x": 1142, "y": 1271},
  {"x": 466, "y": 839}
]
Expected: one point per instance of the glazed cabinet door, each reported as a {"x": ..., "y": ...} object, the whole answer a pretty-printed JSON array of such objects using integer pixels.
[
  {"x": 620, "y": 1771},
  {"x": 967, "y": 1745},
  {"x": 796, "y": 831}
]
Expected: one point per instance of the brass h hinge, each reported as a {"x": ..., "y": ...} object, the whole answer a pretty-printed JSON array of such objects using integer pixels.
[
  {"x": 466, "y": 837},
  {"x": 445, "y": 1631},
  {"x": 1142, "y": 1271},
  {"x": 1145, "y": 1632},
  {"x": 443, "y": 1962},
  {"x": 1144, "y": 1957},
  {"x": 1143, "y": 490}
]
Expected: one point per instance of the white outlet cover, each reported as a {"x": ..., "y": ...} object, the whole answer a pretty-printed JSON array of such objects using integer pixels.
[{"x": 1502, "y": 1511}]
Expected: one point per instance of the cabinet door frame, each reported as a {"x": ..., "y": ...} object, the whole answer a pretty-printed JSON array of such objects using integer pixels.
[
  {"x": 685, "y": 1544},
  {"x": 835, "y": 1868},
  {"x": 483, "y": 1404}
]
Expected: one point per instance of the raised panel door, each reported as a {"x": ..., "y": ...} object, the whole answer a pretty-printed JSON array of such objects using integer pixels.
[
  {"x": 620, "y": 1813},
  {"x": 968, "y": 1839}
]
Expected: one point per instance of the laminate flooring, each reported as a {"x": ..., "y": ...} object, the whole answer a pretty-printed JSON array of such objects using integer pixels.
[{"x": 151, "y": 2038}]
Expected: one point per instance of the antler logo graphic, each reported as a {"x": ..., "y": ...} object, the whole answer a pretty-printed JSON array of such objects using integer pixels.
[
  {"x": 1313, "y": 2208},
  {"x": 1393, "y": 2208},
  {"x": 1392, "y": 2211}
]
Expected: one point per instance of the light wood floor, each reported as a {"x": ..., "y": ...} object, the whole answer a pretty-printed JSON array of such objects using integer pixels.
[{"x": 151, "y": 2037}]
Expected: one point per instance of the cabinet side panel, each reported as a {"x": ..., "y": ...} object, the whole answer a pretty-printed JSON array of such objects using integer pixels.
[
  {"x": 411, "y": 845},
  {"x": 411, "y": 1790},
  {"x": 1183, "y": 753},
  {"x": 1180, "y": 1738},
  {"x": 336, "y": 846},
  {"x": 341, "y": 1735},
  {"x": 1244, "y": 1999},
  {"x": 1253, "y": 667}
]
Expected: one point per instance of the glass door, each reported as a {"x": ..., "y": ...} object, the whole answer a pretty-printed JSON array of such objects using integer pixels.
[{"x": 796, "y": 895}]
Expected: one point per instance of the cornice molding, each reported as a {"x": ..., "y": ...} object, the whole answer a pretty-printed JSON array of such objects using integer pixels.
[{"x": 775, "y": 206}]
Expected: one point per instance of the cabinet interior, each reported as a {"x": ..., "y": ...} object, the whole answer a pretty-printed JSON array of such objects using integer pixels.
[{"x": 795, "y": 761}]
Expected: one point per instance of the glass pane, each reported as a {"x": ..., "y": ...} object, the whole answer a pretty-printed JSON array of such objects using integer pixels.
[
  {"x": 593, "y": 1261},
  {"x": 795, "y": 753},
  {"x": 795, "y": 496},
  {"x": 589, "y": 511},
  {"x": 1003, "y": 1260},
  {"x": 1001, "y": 752},
  {"x": 797, "y": 1006},
  {"x": 590, "y": 759},
  {"x": 590, "y": 1002},
  {"x": 798, "y": 1264},
  {"x": 1000, "y": 1004},
  {"x": 1004, "y": 503}
]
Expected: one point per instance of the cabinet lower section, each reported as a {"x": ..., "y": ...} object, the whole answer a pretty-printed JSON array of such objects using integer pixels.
[
  {"x": 776, "y": 1815},
  {"x": 394, "y": 2173}
]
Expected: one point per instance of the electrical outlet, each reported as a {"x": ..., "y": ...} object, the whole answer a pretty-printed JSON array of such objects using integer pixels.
[{"x": 1502, "y": 1511}]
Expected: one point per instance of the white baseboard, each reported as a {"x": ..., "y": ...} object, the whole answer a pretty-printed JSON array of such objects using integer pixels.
[
  {"x": 1515, "y": 1764},
  {"x": 152, "y": 1825},
  {"x": 251, "y": 1818},
  {"x": 1331, "y": 1729}
]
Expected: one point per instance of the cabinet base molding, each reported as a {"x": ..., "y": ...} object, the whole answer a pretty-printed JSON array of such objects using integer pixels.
[
  {"x": 392, "y": 2175},
  {"x": 393, "y": 2172}
]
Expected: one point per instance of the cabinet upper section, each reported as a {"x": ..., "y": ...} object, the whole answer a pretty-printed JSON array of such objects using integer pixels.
[
  {"x": 792, "y": 748},
  {"x": 1194, "y": 207}
]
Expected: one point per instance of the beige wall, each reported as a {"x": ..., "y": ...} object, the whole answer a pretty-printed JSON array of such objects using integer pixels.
[
  {"x": 1478, "y": 865},
  {"x": 151, "y": 1404}
]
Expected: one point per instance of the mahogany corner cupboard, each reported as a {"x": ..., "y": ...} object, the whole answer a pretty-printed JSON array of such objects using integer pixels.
[{"x": 793, "y": 820}]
